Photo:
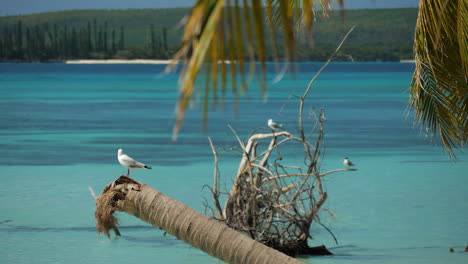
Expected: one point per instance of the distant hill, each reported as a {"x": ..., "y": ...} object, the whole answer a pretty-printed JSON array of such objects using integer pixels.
[{"x": 380, "y": 34}]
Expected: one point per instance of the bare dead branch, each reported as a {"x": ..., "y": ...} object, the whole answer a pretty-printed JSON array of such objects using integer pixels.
[
  {"x": 215, "y": 190},
  {"x": 303, "y": 175},
  {"x": 309, "y": 86},
  {"x": 268, "y": 151},
  {"x": 333, "y": 171}
]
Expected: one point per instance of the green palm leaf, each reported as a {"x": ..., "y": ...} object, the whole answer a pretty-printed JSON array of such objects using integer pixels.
[{"x": 439, "y": 89}]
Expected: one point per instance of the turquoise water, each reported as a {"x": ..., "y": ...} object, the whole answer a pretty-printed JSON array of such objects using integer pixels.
[{"x": 61, "y": 126}]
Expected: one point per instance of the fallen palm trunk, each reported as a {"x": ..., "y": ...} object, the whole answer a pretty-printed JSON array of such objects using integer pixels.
[{"x": 211, "y": 236}]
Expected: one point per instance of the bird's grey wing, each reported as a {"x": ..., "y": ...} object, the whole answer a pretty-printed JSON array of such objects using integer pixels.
[{"x": 130, "y": 162}]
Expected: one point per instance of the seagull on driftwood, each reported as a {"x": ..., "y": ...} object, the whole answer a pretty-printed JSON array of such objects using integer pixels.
[
  {"x": 129, "y": 163},
  {"x": 347, "y": 163},
  {"x": 273, "y": 125}
]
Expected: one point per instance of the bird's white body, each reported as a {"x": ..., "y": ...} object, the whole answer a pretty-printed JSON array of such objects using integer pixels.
[
  {"x": 347, "y": 162},
  {"x": 273, "y": 125},
  {"x": 129, "y": 163}
]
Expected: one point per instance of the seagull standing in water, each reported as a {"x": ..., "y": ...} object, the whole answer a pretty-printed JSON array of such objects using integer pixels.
[
  {"x": 273, "y": 125},
  {"x": 347, "y": 163},
  {"x": 129, "y": 163}
]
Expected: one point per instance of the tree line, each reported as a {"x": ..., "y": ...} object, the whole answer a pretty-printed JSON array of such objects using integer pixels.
[
  {"x": 52, "y": 42},
  {"x": 380, "y": 35}
]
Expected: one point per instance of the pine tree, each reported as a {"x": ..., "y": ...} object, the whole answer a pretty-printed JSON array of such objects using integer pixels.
[
  {"x": 88, "y": 38},
  {"x": 114, "y": 45},
  {"x": 2, "y": 49},
  {"x": 50, "y": 53},
  {"x": 19, "y": 39},
  {"x": 122, "y": 38},
  {"x": 104, "y": 41},
  {"x": 153, "y": 41},
  {"x": 55, "y": 43},
  {"x": 66, "y": 49},
  {"x": 96, "y": 45},
  {"x": 7, "y": 43},
  {"x": 74, "y": 44},
  {"x": 28, "y": 46},
  {"x": 38, "y": 43},
  {"x": 165, "y": 47}
]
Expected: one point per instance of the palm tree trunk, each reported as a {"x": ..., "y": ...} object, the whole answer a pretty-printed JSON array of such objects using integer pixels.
[{"x": 179, "y": 220}]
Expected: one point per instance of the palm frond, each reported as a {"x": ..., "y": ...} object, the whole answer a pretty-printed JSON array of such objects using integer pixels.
[
  {"x": 234, "y": 33},
  {"x": 439, "y": 88},
  {"x": 203, "y": 23}
]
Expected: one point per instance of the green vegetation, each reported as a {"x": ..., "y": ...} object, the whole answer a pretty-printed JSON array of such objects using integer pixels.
[
  {"x": 380, "y": 34},
  {"x": 87, "y": 34}
]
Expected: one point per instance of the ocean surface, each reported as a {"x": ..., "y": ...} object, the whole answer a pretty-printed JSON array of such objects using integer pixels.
[{"x": 61, "y": 126}]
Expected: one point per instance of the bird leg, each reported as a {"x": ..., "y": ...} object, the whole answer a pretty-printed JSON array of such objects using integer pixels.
[{"x": 128, "y": 173}]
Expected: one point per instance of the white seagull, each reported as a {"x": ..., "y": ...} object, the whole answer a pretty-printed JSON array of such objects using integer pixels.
[
  {"x": 129, "y": 163},
  {"x": 273, "y": 125},
  {"x": 347, "y": 163}
]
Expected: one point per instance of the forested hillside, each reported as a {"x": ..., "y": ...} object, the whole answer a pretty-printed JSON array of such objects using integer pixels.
[{"x": 380, "y": 34}]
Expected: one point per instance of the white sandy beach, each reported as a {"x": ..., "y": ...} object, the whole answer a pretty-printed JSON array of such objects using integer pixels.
[{"x": 139, "y": 61}]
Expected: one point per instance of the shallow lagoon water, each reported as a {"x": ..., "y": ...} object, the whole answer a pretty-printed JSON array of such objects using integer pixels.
[{"x": 61, "y": 126}]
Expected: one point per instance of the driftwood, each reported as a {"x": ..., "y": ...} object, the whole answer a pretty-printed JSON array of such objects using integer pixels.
[
  {"x": 271, "y": 201},
  {"x": 201, "y": 231},
  {"x": 274, "y": 203}
]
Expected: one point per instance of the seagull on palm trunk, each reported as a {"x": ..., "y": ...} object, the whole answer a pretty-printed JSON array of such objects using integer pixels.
[{"x": 129, "y": 163}]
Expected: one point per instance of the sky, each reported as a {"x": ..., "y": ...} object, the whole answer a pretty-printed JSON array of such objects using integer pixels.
[{"x": 23, "y": 7}]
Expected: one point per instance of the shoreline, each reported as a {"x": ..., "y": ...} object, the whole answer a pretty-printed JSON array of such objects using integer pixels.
[
  {"x": 167, "y": 62},
  {"x": 136, "y": 61},
  {"x": 149, "y": 61}
]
